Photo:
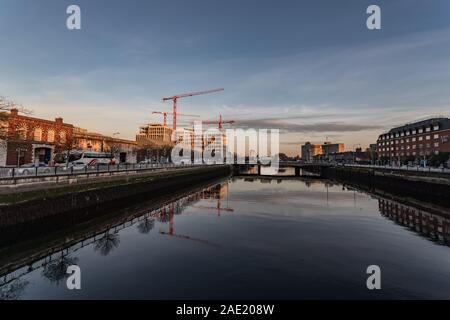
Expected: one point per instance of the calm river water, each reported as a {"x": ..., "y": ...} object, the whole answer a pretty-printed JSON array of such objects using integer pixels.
[{"x": 253, "y": 238}]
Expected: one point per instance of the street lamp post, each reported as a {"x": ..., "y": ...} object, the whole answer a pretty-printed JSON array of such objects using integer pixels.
[{"x": 19, "y": 153}]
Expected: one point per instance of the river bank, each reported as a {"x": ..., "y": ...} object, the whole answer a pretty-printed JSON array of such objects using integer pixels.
[{"x": 23, "y": 207}]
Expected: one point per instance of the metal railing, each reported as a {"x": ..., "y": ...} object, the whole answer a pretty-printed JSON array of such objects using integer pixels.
[
  {"x": 404, "y": 167},
  {"x": 19, "y": 173}
]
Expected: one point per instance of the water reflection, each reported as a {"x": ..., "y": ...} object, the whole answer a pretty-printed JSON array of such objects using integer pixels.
[
  {"x": 108, "y": 243},
  {"x": 54, "y": 265},
  {"x": 56, "y": 270},
  {"x": 13, "y": 290},
  {"x": 316, "y": 236},
  {"x": 431, "y": 226},
  {"x": 146, "y": 226}
]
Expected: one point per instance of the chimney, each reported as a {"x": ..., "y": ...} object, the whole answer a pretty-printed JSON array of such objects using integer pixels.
[
  {"x": 59, "y": 120},
  {"x": 14, "y": 112}
]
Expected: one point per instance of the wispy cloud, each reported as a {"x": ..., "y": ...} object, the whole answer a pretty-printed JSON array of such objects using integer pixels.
[{"x": 288, "y": 127}]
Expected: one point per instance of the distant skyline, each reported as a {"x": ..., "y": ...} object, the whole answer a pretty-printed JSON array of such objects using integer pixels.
[{"x": 310, "y": 68}]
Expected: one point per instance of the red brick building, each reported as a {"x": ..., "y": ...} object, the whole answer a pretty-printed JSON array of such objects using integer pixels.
[
  {"x": 30, "y": 139},
  {"x": 415, "y": 141}
]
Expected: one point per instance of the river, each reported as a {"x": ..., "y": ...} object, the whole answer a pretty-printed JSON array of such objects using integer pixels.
[{"x": 251, "y": 238}]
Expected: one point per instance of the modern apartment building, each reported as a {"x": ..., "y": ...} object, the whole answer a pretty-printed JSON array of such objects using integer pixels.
[
  {"x": 330, "y": 148},
  {"x": 155, "y": 132},
  {"x": 309, "y": 151}
]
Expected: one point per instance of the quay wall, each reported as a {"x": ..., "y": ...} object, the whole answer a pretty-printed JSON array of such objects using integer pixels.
[
  {"x": 430, "y": 188},
  {"x": 20, "y": 208}
]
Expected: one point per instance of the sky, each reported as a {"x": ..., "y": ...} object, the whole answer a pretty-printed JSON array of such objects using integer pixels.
[{"x": 309, "y": 68}]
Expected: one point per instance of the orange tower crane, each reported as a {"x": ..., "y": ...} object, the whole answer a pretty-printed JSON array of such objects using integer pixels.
[
  {"x": 179, "y": 114},
  {"x": 221, "y": 122},
  {"x": 184, "y": 95}
]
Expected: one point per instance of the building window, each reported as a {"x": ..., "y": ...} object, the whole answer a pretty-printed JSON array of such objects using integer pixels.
[
  {"x": 420, "y": 130},
  {"x": 37, "y": 134},
  {"x": 62, "y": 137},
  {"x": 407, "y": 133},
  {"x": 428, "y": 129},
  {"x": 414, "y": 131},
  {"x": 420, "y": 138},
  {"x": 436, "y": 127},
  {"x": 428, "y": 137},
  {"x": 436, "y": 136},
  {"x": 436, "y": 144},
  {"x": 21, "y": 131},
  {"x": 51, "y": 136}
]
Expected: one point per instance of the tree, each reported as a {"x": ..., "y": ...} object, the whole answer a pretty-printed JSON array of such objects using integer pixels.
[
  {"x": 13, "y": 290},
  {"x": 146, "y": 226},
  {"x": 108, "y": 243},
  {"x": 283, "y": 157},
  {"x": 439, "y": 159},
  {"x": 384, "y": 160},
  {"x": 112, "y": 148},
  {"x": 65, "y": 147},
  {"x": 7, "y": 105},
  {"x": 56, "y": 270}
]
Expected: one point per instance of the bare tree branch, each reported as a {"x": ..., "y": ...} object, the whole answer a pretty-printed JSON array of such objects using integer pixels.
[{"x": 7, "y": 105}]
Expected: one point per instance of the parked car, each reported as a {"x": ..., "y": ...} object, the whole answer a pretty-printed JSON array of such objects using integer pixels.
[
  {"x": 5, "y": 172},
  {"x": 30, "y": 168}
]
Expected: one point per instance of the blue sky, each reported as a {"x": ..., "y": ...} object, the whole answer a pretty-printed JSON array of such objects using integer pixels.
[{"x": 310, "y": 68}]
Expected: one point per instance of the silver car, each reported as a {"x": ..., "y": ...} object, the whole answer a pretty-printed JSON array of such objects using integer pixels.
[{"x": 32, "y": 168}]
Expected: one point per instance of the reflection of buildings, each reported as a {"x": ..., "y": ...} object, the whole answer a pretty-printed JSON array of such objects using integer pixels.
[
  {"x": 217, "y": 192},
  {"x": 105, "y": 237},
  {"x": 428, "y": 224}
]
